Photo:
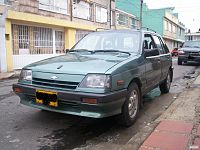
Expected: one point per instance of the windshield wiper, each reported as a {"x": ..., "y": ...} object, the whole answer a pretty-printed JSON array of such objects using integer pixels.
[
  {"x": 196, "y": 46},
  {"x": 111, "y": 50},
  {"x": 187, "y": 46},
  {"x": 80, "y": 50}
]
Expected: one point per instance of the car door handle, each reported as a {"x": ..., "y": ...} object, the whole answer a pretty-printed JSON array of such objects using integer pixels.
[{"x": 158, "y": 59}]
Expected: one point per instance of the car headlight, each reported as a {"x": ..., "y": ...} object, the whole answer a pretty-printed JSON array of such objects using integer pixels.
[
  {"x": 26, "y": 75},
  {"x": 96, "y": 81},
  {"x": 181, "y": 52}
]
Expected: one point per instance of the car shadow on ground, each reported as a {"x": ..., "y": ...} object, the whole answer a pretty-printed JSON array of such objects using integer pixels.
[{"x": 80, "y": 130}]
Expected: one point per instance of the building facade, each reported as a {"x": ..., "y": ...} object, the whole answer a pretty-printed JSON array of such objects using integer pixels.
[
  {"x": 163, "y": 21},
  {"x": 37, "y": 29},
  {"x": 173, "y": 30},
  {"x": 192, "y": 36},
  {"x": 126, "y": 20}
]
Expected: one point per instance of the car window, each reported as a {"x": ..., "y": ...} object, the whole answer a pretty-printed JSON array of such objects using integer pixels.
[
  {"x": 123, "y": 41},
  {"x": 192, "y": 44},
  {"x": 148, "y": 42},
  {"x": 164, "y": 46},
  {"x": 158, "y": 44}
]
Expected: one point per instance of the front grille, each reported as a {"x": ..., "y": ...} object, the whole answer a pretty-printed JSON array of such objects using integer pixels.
[
  {"x": 194, "y": 53},
  {"x": 55, "y": 84}
]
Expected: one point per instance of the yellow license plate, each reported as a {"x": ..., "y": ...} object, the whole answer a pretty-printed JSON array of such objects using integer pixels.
[{"x": 46, "y": 98}]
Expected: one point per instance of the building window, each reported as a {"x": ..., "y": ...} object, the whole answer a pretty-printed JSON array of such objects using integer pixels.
[
  {"x": 36, "y": 40},
  {"x": 170, "y": 27},
  {"x": 122, "y": 19},
  {"x": 174, "y": 28},
  {"x": 60, "y": 41},
  {"x": 43, "y": 37},
  {"x": 166, "y": 25},
  {"x": 101, "y": 14},
  {"x": 133, "y": 23},
  {"x": 80, "y": 34},
  {"x": 6, "y": 2},
  {"x": 112, "y": 17},
  {"x": 82, "y": 9},
  {"x": 180, "y": 32},
  {"x": 59, "y": 6}
]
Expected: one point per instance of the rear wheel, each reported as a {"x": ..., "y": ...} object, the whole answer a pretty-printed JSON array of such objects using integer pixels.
[
  {"x": 180, "y": 62},
  {"x": 131, "y": 106},
  {"x": 165, "y": 86}
]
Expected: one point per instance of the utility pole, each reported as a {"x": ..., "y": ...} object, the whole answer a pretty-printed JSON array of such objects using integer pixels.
[
  {"x": 71, "y": 10},
  {"x": 110, "y": 14},
  {"x": 141, "y": 5}
]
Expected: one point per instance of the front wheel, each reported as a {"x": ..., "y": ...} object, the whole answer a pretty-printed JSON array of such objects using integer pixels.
[
  {"x": 165, "y": 86},
  {"x": 131, "y": 106}
]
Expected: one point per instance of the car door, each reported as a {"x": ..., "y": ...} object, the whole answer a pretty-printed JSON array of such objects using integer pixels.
[
  {"x": 165, "y": 56},
  {"x": 152, "y": 62}
]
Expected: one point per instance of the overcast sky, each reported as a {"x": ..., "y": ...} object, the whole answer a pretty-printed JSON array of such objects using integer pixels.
[{"x": 189, "y": 10}]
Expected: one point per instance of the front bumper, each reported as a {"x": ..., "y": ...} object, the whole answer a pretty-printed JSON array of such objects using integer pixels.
[
  {"x": 108, "y": 104},
  {"x": 189, "y": 58}
]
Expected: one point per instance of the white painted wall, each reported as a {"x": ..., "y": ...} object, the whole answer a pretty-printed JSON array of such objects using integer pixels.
[
  {"x": 3, "y": 64},
  {"x": 20, "y": 61}
]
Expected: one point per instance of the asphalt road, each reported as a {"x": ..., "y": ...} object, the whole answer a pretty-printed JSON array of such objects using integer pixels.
[{"x": 25, "y": 128}]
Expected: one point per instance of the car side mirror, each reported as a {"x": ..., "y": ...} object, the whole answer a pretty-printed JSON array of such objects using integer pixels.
[
  {"x": 151, "y": 52},
  {"x": 66, "y": 50}
]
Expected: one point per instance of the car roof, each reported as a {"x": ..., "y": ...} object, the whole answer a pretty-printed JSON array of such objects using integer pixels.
[
  {"x": 193, "y": 41},
  {"x": 127, "y": 31}
]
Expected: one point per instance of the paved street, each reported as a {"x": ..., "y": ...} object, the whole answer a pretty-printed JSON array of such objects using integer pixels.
[{"x": 25, "y": 128}]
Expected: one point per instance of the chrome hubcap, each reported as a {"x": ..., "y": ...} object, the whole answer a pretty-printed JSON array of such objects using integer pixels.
[{"x": 133, "y": 104}]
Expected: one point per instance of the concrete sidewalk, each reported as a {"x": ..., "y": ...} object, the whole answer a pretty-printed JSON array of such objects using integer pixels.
[
  {"x": 8, "y": 75},
  {"x": 179, "y": 127}
]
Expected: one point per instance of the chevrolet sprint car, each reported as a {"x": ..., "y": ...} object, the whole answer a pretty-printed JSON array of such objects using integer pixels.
[{"x": 105, "y": 74}]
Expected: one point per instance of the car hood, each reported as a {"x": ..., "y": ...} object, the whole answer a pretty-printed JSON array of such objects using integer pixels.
[
  {"x": 190, "y": 49},
  {"x": 73, "y": 63}
]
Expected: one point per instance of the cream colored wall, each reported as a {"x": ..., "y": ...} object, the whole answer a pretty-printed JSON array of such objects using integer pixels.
[
  {"x": 36, "y": 20},
  {"x": 8, "y": 45}
]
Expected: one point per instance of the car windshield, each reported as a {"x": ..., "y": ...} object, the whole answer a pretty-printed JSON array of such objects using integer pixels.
[
  {"x": 192, "y": 44},
  {"x": 110, "y": 41}
]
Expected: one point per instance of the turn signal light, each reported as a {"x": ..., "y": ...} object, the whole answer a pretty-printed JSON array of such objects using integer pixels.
[
  {"x": 89, "y": 100},
  {"x": 120, "y": 82},
  {"x": 18, "y": 90}
]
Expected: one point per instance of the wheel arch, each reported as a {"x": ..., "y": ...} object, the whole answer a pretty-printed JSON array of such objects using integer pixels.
[{"x": 137, "y": 81}]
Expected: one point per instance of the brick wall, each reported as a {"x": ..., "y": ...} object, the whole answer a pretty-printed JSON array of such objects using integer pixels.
[{"x": 32, "y": 6}]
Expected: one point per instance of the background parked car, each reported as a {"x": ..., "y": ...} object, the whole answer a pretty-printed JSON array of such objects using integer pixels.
[{"x": 190, "y": 51}]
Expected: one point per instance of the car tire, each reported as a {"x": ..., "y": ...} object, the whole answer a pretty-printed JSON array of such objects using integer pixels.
[
  {"x": 131, "y": 106},
  {"x": 180, "y": 62},
  {"x": 165, "y": 86},
  {"x": 185, "y": 62}
]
